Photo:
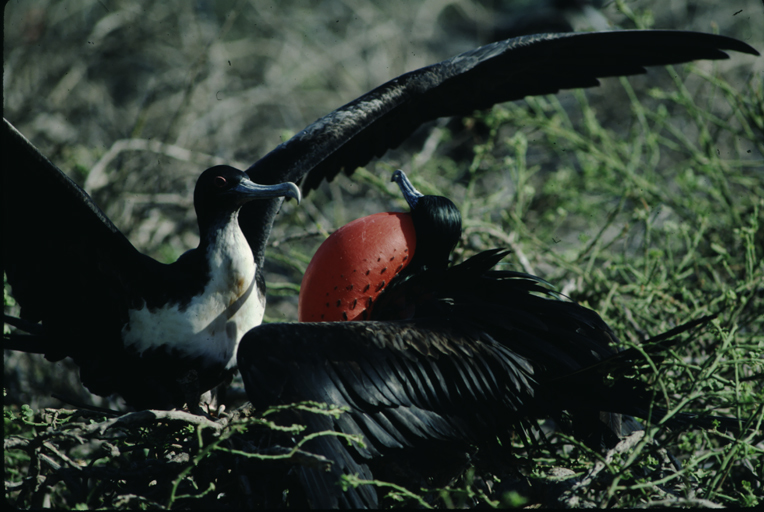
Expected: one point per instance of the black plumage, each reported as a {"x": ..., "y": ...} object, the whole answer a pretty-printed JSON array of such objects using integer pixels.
[
  {"x": 381, "y": 119},
  {"x": 452, "y": 355},
  {"x": 119, "y": 314},
  {"x": 438, "y": 225},
  {"x": 486, "y": 353}
]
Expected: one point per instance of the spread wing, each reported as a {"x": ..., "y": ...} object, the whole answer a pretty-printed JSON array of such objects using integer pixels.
[
  {"x": 64, "y": 259},
  {"x": 503, "y": 71},
  {"x": 470, "y": 364},
  {"x": 403, "y": 382}
]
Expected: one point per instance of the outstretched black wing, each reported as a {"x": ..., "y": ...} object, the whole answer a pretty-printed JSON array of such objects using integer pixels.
[
  {"x": 65, "y": 260},
  {"x": 507, "y": 70},
  {"x": 503, "y": 71},
  {"x": 77, "y": 279},
  {"x": 404, "y": 383},
  {"x": 483, "y": 352},
  {"x": 471, "y": 364}
]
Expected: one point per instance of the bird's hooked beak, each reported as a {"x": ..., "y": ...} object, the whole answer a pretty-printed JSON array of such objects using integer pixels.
[
  {"x": 410, "y": 194},
  {"x": 248, "y": 190}
]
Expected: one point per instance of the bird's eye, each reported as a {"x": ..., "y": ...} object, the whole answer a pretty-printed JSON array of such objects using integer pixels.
[{"x": 220, "y": 181}]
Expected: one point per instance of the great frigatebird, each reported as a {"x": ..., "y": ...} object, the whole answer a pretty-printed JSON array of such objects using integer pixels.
[
  {"x": 151, "y": 332},
  {"x": 359, "y": 131},
  {"x": 353, "y": 266},
  {"x": 451, "y": 355}
]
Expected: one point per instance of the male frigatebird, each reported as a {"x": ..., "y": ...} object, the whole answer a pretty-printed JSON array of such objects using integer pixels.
[
  {"x": 340, "y": 141},
  {"x": 354, "y": 265},
  {"x": 153, "y": 333},
  {"x": 451, "y": 355}
]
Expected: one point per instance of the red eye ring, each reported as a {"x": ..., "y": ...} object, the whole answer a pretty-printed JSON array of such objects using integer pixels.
[{"x": 220, "y": 182}]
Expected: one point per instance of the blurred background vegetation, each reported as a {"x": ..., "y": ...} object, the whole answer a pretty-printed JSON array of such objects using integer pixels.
[{"x": 641, "y": 199}]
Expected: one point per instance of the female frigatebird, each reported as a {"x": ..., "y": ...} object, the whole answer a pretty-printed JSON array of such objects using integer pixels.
[
  {"x": 459, "y": 354},
  {"x": 156, "y": 334},
  {"x": 340, "y": 141}
]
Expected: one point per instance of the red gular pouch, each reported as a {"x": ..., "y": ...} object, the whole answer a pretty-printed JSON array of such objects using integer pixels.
[{"x": 353, "y": 266}]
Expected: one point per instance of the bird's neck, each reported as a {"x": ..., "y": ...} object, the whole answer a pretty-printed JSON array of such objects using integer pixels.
[
  {"x": 226, "y": 248},
  {"x": 428, "y": 260}
]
